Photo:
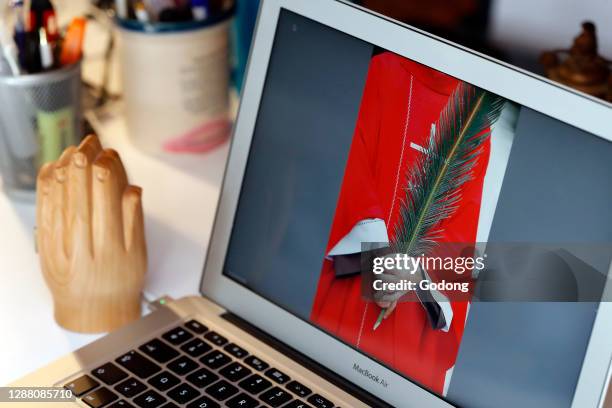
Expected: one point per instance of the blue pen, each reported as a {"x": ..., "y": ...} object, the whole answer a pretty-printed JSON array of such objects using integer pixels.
[
  {"x": 200, "y": 9},
  {"x": 20, "y": 33}
]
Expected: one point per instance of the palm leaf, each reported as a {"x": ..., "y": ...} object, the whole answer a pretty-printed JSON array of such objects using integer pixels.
[{"x": 435, "y": 180}]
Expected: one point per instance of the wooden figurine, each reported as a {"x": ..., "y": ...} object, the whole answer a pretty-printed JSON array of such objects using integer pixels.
[
  {"x": 580, "y": 67},
  {"x": 90, "y": 238}
]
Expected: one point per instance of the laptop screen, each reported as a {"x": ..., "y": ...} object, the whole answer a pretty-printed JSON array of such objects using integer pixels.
[{"x": 342, "y": 138}]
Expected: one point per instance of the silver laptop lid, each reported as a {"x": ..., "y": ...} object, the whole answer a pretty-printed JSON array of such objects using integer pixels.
[{"x": 339, "y": 112}]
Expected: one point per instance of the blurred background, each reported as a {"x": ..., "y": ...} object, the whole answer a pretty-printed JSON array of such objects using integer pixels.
[
  {"x": 515, "y": 31},
  {"x": 518, "y": 32},
  {"x": 534, "y": 35}
]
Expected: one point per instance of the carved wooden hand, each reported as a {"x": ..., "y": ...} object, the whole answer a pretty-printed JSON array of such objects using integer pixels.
[{"x": 90, "y": 238}]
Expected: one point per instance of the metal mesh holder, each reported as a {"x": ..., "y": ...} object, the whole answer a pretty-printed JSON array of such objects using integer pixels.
[{"x": 40, "y": 115}]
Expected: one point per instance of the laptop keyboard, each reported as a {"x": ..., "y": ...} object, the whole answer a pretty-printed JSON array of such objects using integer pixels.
[{"x": 191, "y": 366}]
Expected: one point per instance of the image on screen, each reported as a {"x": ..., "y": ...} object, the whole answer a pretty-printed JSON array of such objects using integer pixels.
[{"x": 404, "y": 107}]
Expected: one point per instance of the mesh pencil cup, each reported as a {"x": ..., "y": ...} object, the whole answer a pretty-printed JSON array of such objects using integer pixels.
[{"x": 40, "y": 116}]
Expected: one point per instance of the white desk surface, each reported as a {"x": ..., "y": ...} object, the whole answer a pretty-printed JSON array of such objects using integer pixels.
[{"x": 180, "y": 194}]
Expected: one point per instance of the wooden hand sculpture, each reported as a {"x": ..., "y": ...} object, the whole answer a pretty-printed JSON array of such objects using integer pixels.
[{"x": 90, "y": 239}]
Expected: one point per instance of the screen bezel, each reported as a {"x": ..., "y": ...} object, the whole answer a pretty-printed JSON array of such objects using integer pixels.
[{"x": 559, "y": 102}]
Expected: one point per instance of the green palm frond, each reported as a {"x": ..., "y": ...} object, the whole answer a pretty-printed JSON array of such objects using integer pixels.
[{"x": 433, "y": 190}]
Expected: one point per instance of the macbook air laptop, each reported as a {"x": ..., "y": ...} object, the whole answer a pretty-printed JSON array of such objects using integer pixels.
[{"x": 340, "y": 110}]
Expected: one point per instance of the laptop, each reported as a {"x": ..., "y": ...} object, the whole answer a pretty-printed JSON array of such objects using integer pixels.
[{"x": 341, "y": 112}]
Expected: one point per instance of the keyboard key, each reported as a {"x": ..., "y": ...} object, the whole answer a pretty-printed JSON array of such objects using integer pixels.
[
  {"x": 215, "y": 338},
  {"x": 109, "y": 373},
  {"x": 138, "y": 364},
  {"x": 183, "y": 365},
  {"x": 196, "y": 347},
  {"x": 256, "y": 363},
  {"x": 276, "y": 397},
  {"x": 149, "y": 399},
  {"x": 130, "y": 387},
  {"x": 235, "y": 372},
  {"x": 100, "y": 397},
  {"x": 320, "y": 402},
  {"x": 299, "y": 389},
  {"x": 236, "y": 350},
  {"x": 202, "y": 378},
  {"x": 221, "y": 390},
  {"x": 242, "y": 401},
  {"x": 170, "y": 405},
  {"x": 196, "y": 327},
  {"x": 277, "y": 376},
  {"x": 164, "y": 381},
  {"x": 121, "y": 404},
  {"x": 177, "y": 336},
  {"x": 297, "y": 404},
  {"x": 183, "y": 393},
  {"x": 255, "y": 384},
  {"x": 81, "y": 385},
  {"x": 204, "y": 402},
  {"x": 215, "y": 359},
  {"x": 159, "y": 351}
]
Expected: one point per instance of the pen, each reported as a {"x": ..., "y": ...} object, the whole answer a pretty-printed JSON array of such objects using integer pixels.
[
  {"x": 46, "y": 51},
  {"x": 200, "y": 9},
  {"x": 9, "y": 49},
  {"x": 39, "y": 14},
  {"x": 32, "y": 52},
  {"x": 20, "y": 40},
  {"x": 42, "y": 14},
  {"x": 5, "y": 69},
  {"x": 19, "y": 33}
]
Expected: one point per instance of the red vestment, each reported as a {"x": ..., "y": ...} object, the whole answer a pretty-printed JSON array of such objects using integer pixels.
[{"x": 401, "y": 100}]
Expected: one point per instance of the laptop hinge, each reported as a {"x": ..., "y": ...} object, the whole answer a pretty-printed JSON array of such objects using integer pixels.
[{"x": 307, "y": 362}]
